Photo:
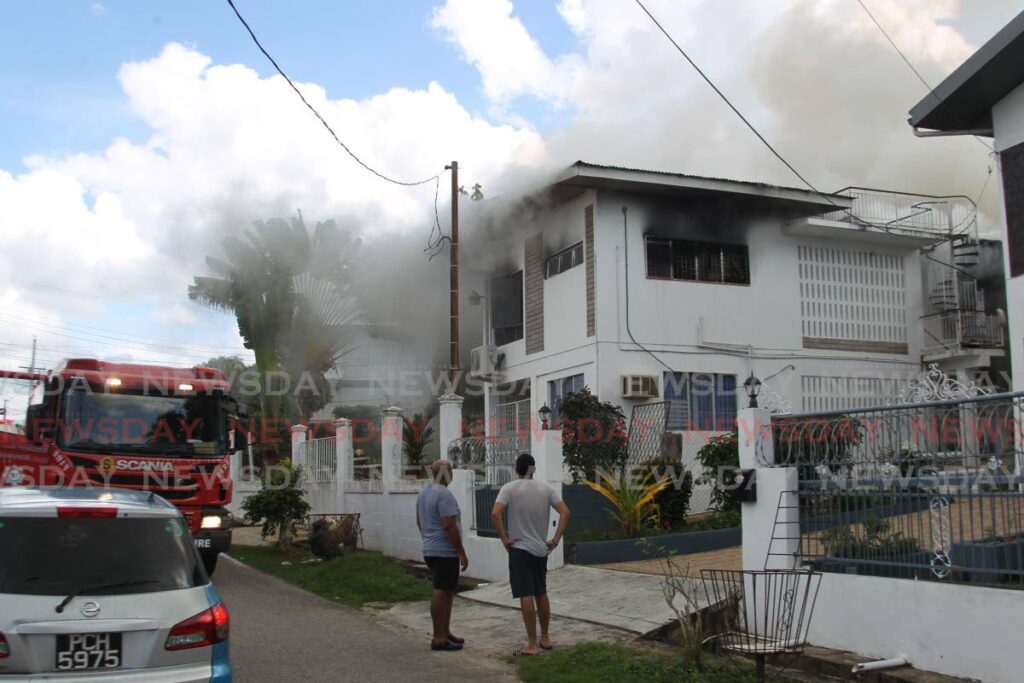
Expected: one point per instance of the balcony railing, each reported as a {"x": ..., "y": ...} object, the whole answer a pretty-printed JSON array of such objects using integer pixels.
[
  {"x": 955, "y": 331},
  {"x": 910, "y": 214}
]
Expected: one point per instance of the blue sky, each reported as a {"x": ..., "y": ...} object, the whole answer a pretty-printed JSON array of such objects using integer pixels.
[{"x": 60, "y": 61}]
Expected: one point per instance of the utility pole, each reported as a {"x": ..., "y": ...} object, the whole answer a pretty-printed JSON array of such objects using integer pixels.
[
  {"x": 31, "y": 367},
  {"x": 454, "y": 273}
]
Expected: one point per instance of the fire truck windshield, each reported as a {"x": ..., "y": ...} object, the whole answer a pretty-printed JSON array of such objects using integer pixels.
[{"x": 141, "y": 424}]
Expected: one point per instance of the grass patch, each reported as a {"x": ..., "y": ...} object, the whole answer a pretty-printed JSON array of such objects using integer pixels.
[
  {"x": 355, "y": 579},
  {"x": 600, "y": 663}
]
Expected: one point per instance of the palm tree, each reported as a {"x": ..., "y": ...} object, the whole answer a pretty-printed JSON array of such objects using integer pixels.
[{"x": 290, "y": 293}]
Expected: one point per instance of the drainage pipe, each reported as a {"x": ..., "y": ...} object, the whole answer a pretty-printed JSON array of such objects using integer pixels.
[{"x": 879, "y": 664}]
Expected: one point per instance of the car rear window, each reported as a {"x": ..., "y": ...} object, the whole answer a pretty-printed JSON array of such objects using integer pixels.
[{"x": 58, "y": 556}]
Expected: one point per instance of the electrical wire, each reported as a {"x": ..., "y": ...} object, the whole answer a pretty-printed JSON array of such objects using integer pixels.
[
  {"x": 731, "y": 106},
  {"x": 856, "y": 219},
  {"x": 436, "y": 178},
  {"x": 916, "y": 72}
]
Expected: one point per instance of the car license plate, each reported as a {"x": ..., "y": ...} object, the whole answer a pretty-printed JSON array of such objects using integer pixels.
[{"x": 88, "y": 651}]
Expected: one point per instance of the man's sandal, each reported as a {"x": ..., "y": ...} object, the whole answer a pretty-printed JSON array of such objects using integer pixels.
[{"x": 446, "y": 645}]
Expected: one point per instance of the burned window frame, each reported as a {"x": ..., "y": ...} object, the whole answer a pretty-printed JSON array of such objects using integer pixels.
[{"x": 719, "y": 263}]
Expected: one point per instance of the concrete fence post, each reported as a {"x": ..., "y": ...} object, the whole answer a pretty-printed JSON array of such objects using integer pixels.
[
  {"x": 462, "y": 488},
  {"x": 771, "y": 524},
  {"x": 343, "y": 465},
  {"x": 449, "y": 422},
  {"x": 391, "y": 447},
  {"x": 547, "y": 452},
  {"x": 343, "y": 451},
  {"x": 298, "y": 445}
]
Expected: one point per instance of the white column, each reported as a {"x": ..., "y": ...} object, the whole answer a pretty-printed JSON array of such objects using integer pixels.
[
  {"x": 391, "y": 447},
  {"x": 449, "y": 422},
  {"x": 462, "y": 488},
  {"x": 343, "y": 472},
  {"x": 547, "y": 451},
  {"x": 775, "y": 512},
  {"x": 298, "y": 445}
]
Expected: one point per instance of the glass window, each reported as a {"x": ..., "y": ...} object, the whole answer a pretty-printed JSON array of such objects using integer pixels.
[
  {"x": 507, "y": 308},
  {"x": 562, "y": 388},
  {"x": 58, "y": 556},
  {"x": 143, "y": 424},
  {"x": 700, "y": 401},
  {"x": 564, "y": 260}
]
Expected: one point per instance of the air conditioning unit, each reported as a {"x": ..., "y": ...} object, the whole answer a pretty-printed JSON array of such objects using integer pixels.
[
  {"x": 485, "y": 364},
  {"x": 639, "y": 386}
]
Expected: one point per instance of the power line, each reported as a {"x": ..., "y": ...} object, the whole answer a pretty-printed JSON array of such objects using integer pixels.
[
  {"x": 317, "y": 114},
  {"x": 731, "y": 106},
  {"x": 433, "y": 246},
  {"x": 917, "y": 73},
  {"x": 760, "y": 137},
  {"x": 41, "y": 285}
]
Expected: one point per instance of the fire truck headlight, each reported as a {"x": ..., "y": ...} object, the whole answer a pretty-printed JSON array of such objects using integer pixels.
[{"x": 212, "y": 521}]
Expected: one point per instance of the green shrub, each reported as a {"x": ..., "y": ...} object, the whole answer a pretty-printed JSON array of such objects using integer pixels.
[
  {"x": 593, "y": 435},
  {"x": 673, "y": 502},
  {"x": 278, "y": 504},
  {"x": 721, "y": 455}
]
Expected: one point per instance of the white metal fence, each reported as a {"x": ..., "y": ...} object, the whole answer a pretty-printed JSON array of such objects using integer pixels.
[{"x": 319, "y": 459}]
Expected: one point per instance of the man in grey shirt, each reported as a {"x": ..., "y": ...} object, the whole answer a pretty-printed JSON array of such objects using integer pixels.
[
  {"x": 438, "y": 517},
  {"x": 529, "y": 503}
]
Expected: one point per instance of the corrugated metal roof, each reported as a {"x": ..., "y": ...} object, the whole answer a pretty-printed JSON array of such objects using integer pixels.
[{"x": 818, "y": 197}]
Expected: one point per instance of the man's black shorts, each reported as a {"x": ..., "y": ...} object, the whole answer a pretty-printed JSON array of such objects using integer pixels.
[
  {"x": 444, "y": 572},
  {"x": 527, "y": 573}
]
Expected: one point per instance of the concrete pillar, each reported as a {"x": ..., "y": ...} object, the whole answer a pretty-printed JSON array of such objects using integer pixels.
[
  {"x": 343, "y": 449},
  {"x": 462, "y": 487},
  {"x": 449, "y": 422},
  {"x": 391, "y": 447},
  {"x": 298, "y": 445},
  {"x": 343, "y": 470},
  {"x": 771, "y": 524},
  {"x": 547, "y": 451}
]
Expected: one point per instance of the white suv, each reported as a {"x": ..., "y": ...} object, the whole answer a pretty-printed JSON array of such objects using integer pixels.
[{"x": 104, "y": 585}]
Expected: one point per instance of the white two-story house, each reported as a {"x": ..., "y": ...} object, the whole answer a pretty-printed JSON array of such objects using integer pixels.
[{"x": 647, "y": 286}]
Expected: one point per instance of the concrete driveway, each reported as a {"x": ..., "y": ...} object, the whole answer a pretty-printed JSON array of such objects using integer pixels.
[{"x": 281, "y": 633}]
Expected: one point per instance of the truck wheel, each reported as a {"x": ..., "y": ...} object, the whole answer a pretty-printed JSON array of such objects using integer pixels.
[{"x": 210, "y": 562}]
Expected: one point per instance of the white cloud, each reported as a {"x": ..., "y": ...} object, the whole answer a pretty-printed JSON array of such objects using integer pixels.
[
  {"x": 133, "y": 223},
  {"x": 97, "y": 9},
  {"x": 510, "y": 61},
  {"x": 818, "y": 79}
]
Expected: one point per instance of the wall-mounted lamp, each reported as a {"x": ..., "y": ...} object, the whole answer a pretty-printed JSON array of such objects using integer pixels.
[
  {"x": 753, "y": 388},
  {"x": 545, "y": 416}
]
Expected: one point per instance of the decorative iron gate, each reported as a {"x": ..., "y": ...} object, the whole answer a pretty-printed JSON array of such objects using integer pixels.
[{"x": 928, "y": 490}]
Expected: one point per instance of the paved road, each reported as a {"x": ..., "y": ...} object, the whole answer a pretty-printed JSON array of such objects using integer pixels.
[{"x": 280, "y": 633}]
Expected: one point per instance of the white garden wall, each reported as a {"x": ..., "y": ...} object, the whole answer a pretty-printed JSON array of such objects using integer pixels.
[{"x": 955, "y": 629}]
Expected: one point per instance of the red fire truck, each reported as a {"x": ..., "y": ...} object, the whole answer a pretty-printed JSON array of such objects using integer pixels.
[{"x": 143, "y": 427}]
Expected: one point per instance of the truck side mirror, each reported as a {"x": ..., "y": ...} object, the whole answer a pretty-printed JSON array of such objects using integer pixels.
[
  {"x": 241, "y": 438},
  {"x": 33, "y": 417}
]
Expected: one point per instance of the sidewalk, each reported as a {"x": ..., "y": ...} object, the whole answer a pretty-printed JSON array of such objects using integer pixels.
[{"x": 726, "y": 558}]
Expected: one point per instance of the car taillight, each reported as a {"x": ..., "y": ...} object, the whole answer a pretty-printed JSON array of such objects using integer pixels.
[
  {"x": 98, "y": 511},
  {"x": 4, "y": 650},
  {"x": 206, "y": 628}
]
